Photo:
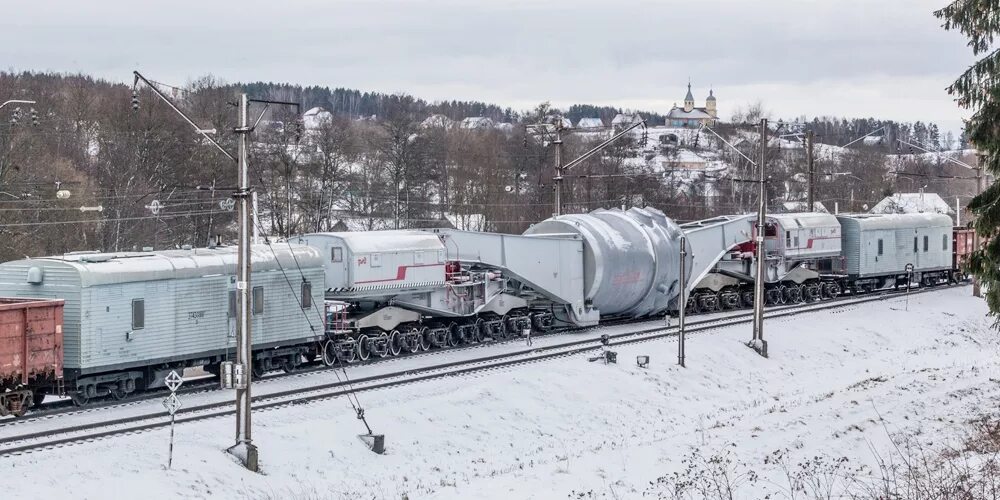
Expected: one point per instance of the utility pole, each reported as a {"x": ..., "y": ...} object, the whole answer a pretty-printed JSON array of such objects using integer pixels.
[
  {"x": 812, "y": 170},
  {"x": 559, "y": 169},
  {"x": 976, "y": 288},
  {"x": 758, "y": 343},
  {"x": 682, "y": 304},
  {"x": 244, "y": 350},
  {"x": 238, "y": 375}
]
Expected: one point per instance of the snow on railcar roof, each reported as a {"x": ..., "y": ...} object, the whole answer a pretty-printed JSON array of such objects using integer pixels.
[
  {"x": 890, "y": 221},
  {"x": 807, "y": 219}
]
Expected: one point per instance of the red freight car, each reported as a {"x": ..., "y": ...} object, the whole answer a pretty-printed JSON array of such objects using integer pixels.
[
  {"x": 963, "y": 243},
  {"x": 31, "y": 355}
]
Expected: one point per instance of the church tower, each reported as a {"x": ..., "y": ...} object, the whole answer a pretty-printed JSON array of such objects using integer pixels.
[
  {"x": 688, "y": 100},
  {"x": 710, "y": 105}
]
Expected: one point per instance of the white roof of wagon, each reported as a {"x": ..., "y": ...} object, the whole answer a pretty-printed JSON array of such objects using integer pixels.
[
  {"x": 126, "y": 267},
  {"x": 899, "y": 221},
  {"x": 805, "y": 219},
  {"x": 385, "y": 241}
]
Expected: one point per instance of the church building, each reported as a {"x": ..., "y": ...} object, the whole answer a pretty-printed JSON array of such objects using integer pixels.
[{"x": 690, "y": 116}]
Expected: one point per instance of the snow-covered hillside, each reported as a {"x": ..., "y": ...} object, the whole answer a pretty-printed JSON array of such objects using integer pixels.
[{"x": 836, "y": 384}]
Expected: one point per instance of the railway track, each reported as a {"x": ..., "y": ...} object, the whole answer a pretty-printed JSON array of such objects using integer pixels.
[
  {"x": 210, "y": 384},
  {"x": 15, "y": 443}
]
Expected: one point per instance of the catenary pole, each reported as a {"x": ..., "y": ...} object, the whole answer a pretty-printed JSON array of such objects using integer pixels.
[
  {"x": 758, "y": 342},
  {"x": 682, "y": 304},
  {"x": 976, "y": 287},
  {"x": 812, "y": 170},
  {"x": 244, "y": 352},
  {"x": 559, "y": 169}
]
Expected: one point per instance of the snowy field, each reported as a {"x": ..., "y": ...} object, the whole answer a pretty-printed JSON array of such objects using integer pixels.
[{"x": 837, "y": 384}]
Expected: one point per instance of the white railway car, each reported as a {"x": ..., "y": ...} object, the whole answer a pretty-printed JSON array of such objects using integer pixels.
[{"x": 877, "y": 248}]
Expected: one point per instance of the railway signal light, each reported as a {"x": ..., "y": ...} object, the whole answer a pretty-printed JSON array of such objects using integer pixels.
[
  {"x": 135, "y": 100},
  {"x": 15, "y": 116},
  {"x": 34, "y": 117}
]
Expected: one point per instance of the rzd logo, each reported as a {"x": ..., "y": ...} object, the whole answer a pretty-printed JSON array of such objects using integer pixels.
[{"x": 362, "y": 260}]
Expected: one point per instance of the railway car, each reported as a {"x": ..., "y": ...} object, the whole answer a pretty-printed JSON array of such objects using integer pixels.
[
  {"x": 396, "y": 291},
  {"x": 963, "y": 243},
  {"x": 31, "y": 354},
  {"x": 132, "y": 317},
  {"x": 878, "y": 247}
]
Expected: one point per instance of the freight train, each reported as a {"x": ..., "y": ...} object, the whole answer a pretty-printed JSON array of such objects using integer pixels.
[{"x": 129, "y": 318}]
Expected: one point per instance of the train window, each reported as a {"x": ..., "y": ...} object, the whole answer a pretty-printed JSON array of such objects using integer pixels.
[
  {"x": 914, "y": 244},
  {"x": 258, "y": 300},
  {"x": 306, "y": 296},
  {"x": 336, "y": 254},
  {"x": 232, "y": 303},
  {"x": 138, "y": 314},
  {"x": 944, "y": 242},
  {"x": 880, "y": 246},
  {"x": 926, "y": 239},
  {"x": 788, "y": 239}
]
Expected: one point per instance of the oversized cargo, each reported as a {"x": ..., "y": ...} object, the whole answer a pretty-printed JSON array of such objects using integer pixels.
[
  {"x": 31, "y": 338},
  {"x": 630, "y": 259}
]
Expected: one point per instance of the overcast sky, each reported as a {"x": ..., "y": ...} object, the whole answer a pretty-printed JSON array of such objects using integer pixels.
[{"x": 854, "y": 58}]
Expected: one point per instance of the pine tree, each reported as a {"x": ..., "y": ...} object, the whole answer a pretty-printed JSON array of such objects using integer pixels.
[{"x": 978, "y": 89}]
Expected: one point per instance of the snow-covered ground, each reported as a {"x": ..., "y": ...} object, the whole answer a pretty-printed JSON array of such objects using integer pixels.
[{"x": 836, "y": 384}]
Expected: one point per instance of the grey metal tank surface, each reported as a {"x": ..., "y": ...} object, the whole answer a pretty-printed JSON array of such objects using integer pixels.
[{"x": 631, "y": 258}]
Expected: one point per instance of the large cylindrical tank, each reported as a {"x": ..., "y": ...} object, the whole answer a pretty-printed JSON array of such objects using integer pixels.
[{"x": 631, "y": 258}]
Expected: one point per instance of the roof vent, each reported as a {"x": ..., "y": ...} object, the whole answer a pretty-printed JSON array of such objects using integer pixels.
[
  {"x": 100, "y": 257},
  {"x": 35, "y": 275},
  {"x": 186, "y": 247},
  {"x": 147, "y": 249}
]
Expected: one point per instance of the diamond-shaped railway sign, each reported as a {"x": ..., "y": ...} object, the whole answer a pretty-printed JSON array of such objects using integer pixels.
[
  {"x": 173, "y": 381},
  {"x": 172, "y": 404}
]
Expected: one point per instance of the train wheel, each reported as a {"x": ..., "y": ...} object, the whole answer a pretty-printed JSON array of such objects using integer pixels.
[
  {"x": 481, "y": 330},
  {"x": 118, "y": 394},
  {"x": 330, "y": 353},
  {"x": 364, "y": 348},
  {"x": 412, "y": 340},
  {"x": 288, "y": 365},
  {"x": 504, "y": 332},
  {"x": 425, "y": 343},
  {"x": 258, "y": 370},
  {"x": 395, "y": 343},
  {"x": 747, "y": 298},
  {"x": 382, "y": 345},
  {"x": 79, "y": 398},
  {"x": 454, "y": 337}
]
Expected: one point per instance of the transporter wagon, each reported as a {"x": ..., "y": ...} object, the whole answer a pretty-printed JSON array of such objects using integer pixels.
[{"x": 132, "y": 317}]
